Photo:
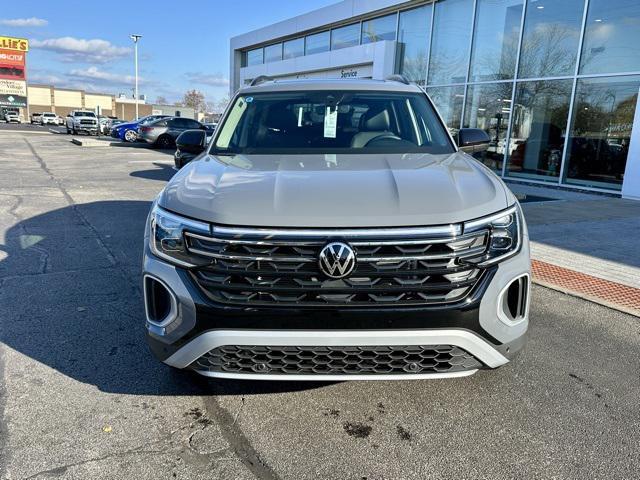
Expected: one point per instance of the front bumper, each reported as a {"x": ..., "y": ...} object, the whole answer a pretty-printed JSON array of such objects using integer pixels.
[{"x": 474, "y": 325}]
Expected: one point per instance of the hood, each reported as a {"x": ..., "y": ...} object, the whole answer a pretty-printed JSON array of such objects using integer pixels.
[{"x": 335, "y": 190}]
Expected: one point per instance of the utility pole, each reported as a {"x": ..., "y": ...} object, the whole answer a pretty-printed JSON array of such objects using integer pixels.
[{"x": 135, "y": 39}]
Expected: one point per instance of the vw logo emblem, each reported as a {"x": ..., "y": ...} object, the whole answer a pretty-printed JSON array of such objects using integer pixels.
[{"x": 337, "y": 260}]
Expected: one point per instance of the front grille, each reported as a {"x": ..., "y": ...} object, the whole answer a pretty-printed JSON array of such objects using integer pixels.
[
  {"x": 356, "y": 360},
  {"x": 87, "y": 122},
  {"x": 394, "y": 267}
]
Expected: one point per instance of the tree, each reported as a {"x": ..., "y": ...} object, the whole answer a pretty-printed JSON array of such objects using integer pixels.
[
  {"x": 195, "y": 100},
  {"x": 161, "y": 100}
]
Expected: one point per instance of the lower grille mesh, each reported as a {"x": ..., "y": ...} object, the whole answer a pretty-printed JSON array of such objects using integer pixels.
[{"x": 342, "y": 360}]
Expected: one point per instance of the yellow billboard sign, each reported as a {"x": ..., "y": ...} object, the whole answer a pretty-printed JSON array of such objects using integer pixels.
[{"x": 11, "y": 43}]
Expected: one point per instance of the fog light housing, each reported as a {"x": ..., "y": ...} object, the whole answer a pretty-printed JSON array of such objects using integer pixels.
[
  {"x": 513, "y": 301},
  {"x": 160, "y": 304}
]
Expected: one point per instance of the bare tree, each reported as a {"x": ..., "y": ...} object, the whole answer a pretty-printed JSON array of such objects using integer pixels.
[
  {"x": 194, "y": 99},
  {"x": 160, "y": 100}
]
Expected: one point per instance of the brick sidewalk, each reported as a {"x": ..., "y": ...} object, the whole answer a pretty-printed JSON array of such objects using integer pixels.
[{"x": 614, "y": 295}]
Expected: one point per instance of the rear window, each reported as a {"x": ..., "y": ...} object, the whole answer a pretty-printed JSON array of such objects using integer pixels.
[{"x": 332, "y": 122}]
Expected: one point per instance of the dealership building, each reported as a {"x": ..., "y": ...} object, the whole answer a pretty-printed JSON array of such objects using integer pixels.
[{"x": 554, "y": 83}]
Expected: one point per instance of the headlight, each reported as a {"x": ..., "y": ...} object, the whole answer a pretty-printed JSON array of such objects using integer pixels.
[
  {"x": 505, "y": 235},
  {"x": 167, "y": 239}
]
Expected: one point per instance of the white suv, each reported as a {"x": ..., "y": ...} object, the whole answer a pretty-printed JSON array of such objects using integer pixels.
[{"x": 332, "y": 230}]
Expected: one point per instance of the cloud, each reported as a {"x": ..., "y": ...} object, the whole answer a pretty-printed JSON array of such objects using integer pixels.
[
  {"x": 24, "y": 22},
  {"x": 80, "y": 50},
  {"x": 100, "y": 76},
  {"x": 213, "y": 80}
]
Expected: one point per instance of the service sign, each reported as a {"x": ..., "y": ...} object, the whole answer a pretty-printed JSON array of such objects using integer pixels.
[
  {"x": 13, "y": 87},
  {"x": 17, "y": 44}
]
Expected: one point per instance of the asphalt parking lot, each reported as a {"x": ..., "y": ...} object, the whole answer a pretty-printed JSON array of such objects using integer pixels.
[{"x": 81, "y": 397}]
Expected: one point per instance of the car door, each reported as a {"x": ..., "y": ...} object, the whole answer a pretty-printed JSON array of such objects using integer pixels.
[{"x": 176, "y": 127}]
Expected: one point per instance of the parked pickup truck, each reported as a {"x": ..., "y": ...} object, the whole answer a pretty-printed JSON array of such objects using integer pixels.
[{"x": 82, "y": 121}]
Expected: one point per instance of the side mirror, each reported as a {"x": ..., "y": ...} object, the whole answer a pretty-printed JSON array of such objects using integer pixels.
[
  {"x": 192, "y": 141},
  {"x": 473, "y": 140}
]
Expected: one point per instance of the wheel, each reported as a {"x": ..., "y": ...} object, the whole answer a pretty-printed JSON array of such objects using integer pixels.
[
  {"x": 164, "y": 142},
  {"x": 130, "y": 136},
  {"x": 68, "y": 131},
  {"x": 73, "y": 129}
]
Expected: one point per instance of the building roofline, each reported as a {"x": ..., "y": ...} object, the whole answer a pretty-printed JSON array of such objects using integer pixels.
[{"x": 331, "y": 14}]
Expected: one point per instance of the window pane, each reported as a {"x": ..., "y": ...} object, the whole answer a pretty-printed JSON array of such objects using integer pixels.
[
  {"x": 273, "y": 53},
  {"x": 600, "y": 131},
  {"x": 317, "y": 43},
  {"x": 539, "y": 128},
  {"x": 254, "y": 57},
  {"x": 612, "y": 37},
  {"x": 413, "y": 43},
  {"x": 495, "y": 42},
  {"x": 293, "y": 48},
  {"x": 488, "y": 107},
  {"x": 551, "y": 37},
  {"x": 343, "y": 37},
  {"x": 382, "y": 28},
  {"x": 450, "y": 48},
  {"x": 448, "y": 101}
]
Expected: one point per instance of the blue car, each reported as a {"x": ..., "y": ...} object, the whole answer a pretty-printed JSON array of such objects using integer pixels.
[{"x": 129, "y": 131}]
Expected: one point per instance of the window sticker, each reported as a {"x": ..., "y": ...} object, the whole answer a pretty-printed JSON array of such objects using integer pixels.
[
  {"x": 248, "y": 99},
  {"x": 299, "y": 116},
  {"x": 330, "y": 122}
]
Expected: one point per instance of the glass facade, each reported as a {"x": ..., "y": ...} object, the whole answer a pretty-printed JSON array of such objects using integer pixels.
[
  {"x": 343, "y": 37},
  {"x": 381, "y": 28},
  {"x": 293, "y": 48},
  {"x": 273, "y": 53},
  {"x": 553, "y": 82},
  {"x": 414, "y": 37},
  {"x": 317, "y": 43}
]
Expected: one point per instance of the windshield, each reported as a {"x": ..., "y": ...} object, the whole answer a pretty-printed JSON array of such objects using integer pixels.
[
  {"x": 48, "y": 114},
  {"x": 332, "y": 122},
  {"x": 84, "y": 114}
]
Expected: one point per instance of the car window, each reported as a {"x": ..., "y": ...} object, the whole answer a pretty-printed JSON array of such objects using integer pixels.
[
  {"x": 192, "y": 124},
  {"x": 333, "y": 122}
]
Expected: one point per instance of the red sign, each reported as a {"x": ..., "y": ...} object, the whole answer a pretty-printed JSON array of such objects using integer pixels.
[
  {"x": 12, "y": 65},
  {"x": 12, "y": 57}
]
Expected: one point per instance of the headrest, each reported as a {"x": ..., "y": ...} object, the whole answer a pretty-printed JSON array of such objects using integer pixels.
[{"x": 376, "y": 121}]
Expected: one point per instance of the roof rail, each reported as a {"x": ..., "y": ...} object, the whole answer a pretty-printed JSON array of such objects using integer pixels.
[
  {"x": 398, "y": 78},
  {"x": 260, "y": 79}
]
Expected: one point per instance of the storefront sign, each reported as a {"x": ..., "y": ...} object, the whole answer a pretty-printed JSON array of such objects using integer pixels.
[
  {"x": 357, "y": 71},
  {"x": 10, "y": 43},
  {"x": 11, "y": 57},
  {"x": 13, "y": 101},
  {"x": 13, "y": 87}
]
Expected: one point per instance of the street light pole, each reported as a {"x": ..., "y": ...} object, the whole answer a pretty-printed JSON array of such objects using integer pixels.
[{"x": 135, "y": 39}]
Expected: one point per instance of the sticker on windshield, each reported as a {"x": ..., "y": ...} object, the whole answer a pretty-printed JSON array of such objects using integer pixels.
[
  {"x": 330, "y": 123},
  {"x": 248, "y": 99}
]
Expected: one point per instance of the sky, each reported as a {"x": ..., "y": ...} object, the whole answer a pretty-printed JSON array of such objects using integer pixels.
[{"x": 184, "y": 45}]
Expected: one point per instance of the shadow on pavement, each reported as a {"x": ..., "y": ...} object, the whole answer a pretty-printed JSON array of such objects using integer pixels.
[
  {"x": 162, "y": 172},
  {"x": 70, "y": 297}
]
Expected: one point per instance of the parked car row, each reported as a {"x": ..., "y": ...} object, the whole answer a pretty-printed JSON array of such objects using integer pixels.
[
  {"x": 46, "y": 118},
  {"x": 163, "y": 131}
]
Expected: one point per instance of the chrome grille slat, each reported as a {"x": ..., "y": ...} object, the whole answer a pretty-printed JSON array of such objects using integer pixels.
[{"x": 398, "y": 267}]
